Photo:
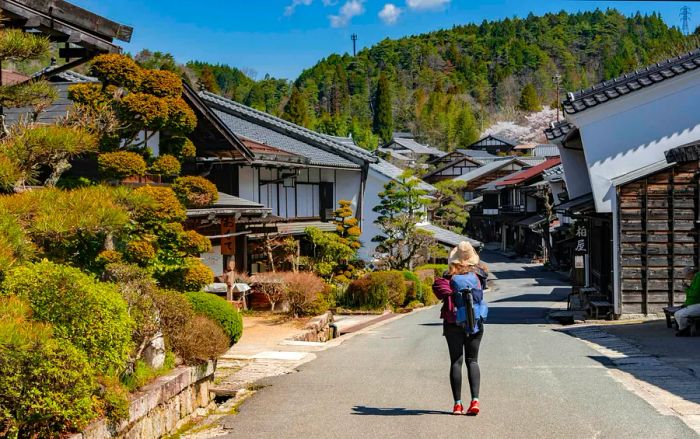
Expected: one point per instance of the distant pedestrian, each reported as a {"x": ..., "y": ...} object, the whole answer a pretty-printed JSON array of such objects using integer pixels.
[{"x": 463, "y": 313}]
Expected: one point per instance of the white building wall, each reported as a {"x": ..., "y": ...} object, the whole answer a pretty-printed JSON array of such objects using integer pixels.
[
  {"x": 347, "y": 187},
  {"x": 248, "y": 183},
  {"x": 375, "y": 185},
  {"x": 634, "y": 131}
]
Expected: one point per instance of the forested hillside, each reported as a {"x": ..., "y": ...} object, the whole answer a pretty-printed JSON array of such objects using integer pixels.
[{"x": 449, "y": 85}]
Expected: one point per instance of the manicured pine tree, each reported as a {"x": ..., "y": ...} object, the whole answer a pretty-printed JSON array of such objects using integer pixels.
[
  {"x": 383, "y": 116},
  {"x": 347, "y": 225}
]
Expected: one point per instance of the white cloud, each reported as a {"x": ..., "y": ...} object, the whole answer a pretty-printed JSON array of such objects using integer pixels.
[
  {"x": 351, "y": 8},
  {"x": 419, "y": 5},
  {"x": 390, "y": 13},
  {"x": 289, "y": 10}
]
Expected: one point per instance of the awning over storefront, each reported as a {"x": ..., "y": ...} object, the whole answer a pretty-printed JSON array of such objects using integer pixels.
[
  {"x": 532, "y": 221},
  {"x": 579, "y": 205}
]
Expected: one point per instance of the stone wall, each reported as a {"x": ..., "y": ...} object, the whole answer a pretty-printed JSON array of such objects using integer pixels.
[
  {"x": 318, "y": 329},
  {"x": 161, "y": 407}
]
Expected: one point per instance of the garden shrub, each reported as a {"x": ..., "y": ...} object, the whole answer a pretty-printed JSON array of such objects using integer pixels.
[
  {"x": 414, "y": 287},
  {"x": 140, "y": 251},
  {"x": 179, "y": 146},
  {"x": 174, "y": 311},
  {"x": 89, "y": 314},
  {"x": 270, "y": 285},
  {"x": 195, "y": 244},
  {"x": 163, "y": 207},
  {"x": 395, "y": 284},
  {"x": 181, "y": 118},
  {"x": 166, "y": 165},
  {"x": 438, "y": 269},
  {"x": 47, "y": 385},
  {"x": 305, "y": 293},
  {"x": 150, "y": 111},
  {"x": 220, "y": 311},
  {"x": 114, "y": 398},
  {"x": 161, "y": 83},
  {"x": 200, "y": 340},
  {"x": 194, "y": 276},
  {"x": 195, "y": 192},
  {"x": 15, "y": 246},
  {"x": 107, "y": 257},
  {"x": 119, "y": 165},
  {"x": 116, "y": 69}
]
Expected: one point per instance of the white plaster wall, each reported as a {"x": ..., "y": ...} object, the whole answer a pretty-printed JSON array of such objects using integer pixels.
[
  {"x": 375, "y": 185},
  {"x": 578, "y": 182},
  {"x": 248, "y": 183},
  {"x": 347, "y": 186},
  {"x": 634, "y": 131}
]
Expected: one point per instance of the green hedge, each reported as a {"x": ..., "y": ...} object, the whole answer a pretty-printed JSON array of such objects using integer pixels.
[
  {"x": 47, "y": 385},
  {"x": 438, "y": 269},
  {"x": 378, "y": 289},
  {"x": 219, "y": 310},
  {"x": 89, "y": 314}
]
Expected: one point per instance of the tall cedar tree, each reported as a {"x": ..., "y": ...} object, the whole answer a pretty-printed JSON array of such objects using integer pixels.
[
  {"x": 383, "y": 116},
  {"x": 529, "y": 101},
  {"x": 402, "y": 205},
  {"x": 296, "y": 110}
]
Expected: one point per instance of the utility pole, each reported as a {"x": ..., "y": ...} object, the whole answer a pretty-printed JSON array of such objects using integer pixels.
[
  {"x": 353, "y": 37},
  {"x": 685, "y": 20},
  {"x": 557, "y": 81}
]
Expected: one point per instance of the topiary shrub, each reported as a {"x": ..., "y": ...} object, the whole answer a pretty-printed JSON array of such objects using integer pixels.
[
  {"x": 120, "y": 165},
  {"x": 181, "y": 118},
  {"x": 163, "y": 206},
  {"x": 200, "y": 340},
  {"x": 89, "y": 314},
  {"x": 150, "y": 111},
  {"x": 305, "y": 293},
  {"x": 166, "y": 165},
  {"x": 219, "y": 310},
  {"x": 414, "y": 287},
  {"x": 161, "y": 83},
  {"x": 140, "y": 251},
  {"x": 196, "y": 275},
  {"x": 117, "y": 70},
  {"x": 47, "y": 384},
  {"x": 195, "y": 244},
  {"x": 195, "y": 191}
]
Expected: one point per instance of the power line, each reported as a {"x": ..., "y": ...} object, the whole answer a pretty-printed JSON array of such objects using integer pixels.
[{"x": 685, "y": 19}]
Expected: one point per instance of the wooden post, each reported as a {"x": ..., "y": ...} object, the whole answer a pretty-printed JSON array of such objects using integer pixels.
[{"x": 645, "y": 248}]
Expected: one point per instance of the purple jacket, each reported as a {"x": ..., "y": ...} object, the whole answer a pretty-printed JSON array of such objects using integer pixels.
[{"x": 443, "y": 291}]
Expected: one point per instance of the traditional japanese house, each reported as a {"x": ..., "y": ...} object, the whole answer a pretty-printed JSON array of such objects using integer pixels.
[
  {"x": 494, "y": 144},
  {"x": 405, "y": 152},
  {"x": 614, "y": 165},
  {"x": 459, "y": 166},
  {"x": 482, "y": 175}
]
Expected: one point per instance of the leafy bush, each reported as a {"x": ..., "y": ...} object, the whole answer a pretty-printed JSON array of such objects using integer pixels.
[
  {"x": 181, "y": 118},
  {"x": 89, "y": 314},
  {"x": 195, "y": 191},
  {"x": 180, "y": 146},
  {"x": 220, "y": 311},
  {"x": 150, "y": 111},
  {"x": 114, "y": 398},
  {"x": 120, "y": 164},
  {"x": 194, "y": 276},
  {"x": 166, "y": 165},
  {"x": 378, "y": 289},
  {"x": 414, "y": 287},
  {"x": 161, "y": 83},
  {"x": 174, "y": 311},
  {"x": 270, "y": 285},
  {"x": 305, "y": 293},
  {"x": 116, "y": 70},
  {"x": 438, "y": 269},
  {"x": 140, "y": 251},
  {"x": 14, "y": 243},
  {"x": 394, "y": 282},
  {"x": 195, "y": 244},
  {"x": 164, "y": 206},
  {"x": 47, "y": 385},
  {"x": 201, "y": 339}
]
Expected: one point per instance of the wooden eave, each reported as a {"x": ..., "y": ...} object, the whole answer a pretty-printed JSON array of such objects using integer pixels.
[
  {"x": 65, "y": 22},
  {"x": 209, "y": 125}
]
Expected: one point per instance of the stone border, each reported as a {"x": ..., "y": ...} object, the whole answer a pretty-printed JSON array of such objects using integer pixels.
[{"x": 160, "y": 407}]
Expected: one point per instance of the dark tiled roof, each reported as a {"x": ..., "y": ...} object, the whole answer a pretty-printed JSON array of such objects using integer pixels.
[
  {"x": 447, "y": 237},
  {"x": 273, "y": 131},
  {"x": 390, "y": 171},
  {"x": 631, "y": 82},
  {"x": 558, "y": 129},
  {"x": 545, "y": 150},
  {"x": 476, "y": 153},
  {"x": 527, "y": 174},
  {"x": 689, "y": 152}
]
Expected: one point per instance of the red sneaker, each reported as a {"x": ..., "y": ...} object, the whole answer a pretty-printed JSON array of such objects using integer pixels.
[
  {"x": 473, "y": 409},
  {"x": 458, "y": 409}
]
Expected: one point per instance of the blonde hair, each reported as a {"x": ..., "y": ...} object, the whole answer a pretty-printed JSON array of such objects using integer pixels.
[{"x": 460, "y": 268}]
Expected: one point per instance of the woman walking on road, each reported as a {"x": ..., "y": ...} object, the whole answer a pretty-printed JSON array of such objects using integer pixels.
[{"x": 463, "y": 313}]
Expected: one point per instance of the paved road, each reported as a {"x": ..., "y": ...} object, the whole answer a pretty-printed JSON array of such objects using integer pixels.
[{"x": 537, "y": 382}]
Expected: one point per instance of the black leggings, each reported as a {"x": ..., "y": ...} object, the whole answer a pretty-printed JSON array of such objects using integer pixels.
[{"x": 461, "y": 344}]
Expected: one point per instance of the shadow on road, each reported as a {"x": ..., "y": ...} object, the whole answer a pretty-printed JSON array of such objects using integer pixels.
[
  {"x": 394, "y": 411},
  {"x": 651, "y": 353},
  {"x": 559, "y": 293},
  {"x": 516, "y": 315},
  {"x": 430, "y": 324}
]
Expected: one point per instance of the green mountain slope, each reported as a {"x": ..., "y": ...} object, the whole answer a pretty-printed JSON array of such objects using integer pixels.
[{"x": 445, "y": 86}]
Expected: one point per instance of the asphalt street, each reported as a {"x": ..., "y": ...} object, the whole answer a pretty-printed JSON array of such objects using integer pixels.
[{"x": 537, "y": 382}]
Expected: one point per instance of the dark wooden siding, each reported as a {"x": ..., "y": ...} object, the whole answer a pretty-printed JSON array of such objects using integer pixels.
[{"x": 658, "y": 238}]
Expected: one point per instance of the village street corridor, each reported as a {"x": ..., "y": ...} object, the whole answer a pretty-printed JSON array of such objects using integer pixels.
[{"x": 537, "y": 381}]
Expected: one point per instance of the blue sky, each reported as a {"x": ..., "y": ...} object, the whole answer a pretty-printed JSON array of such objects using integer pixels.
[{"x": 282, "y": 37}]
